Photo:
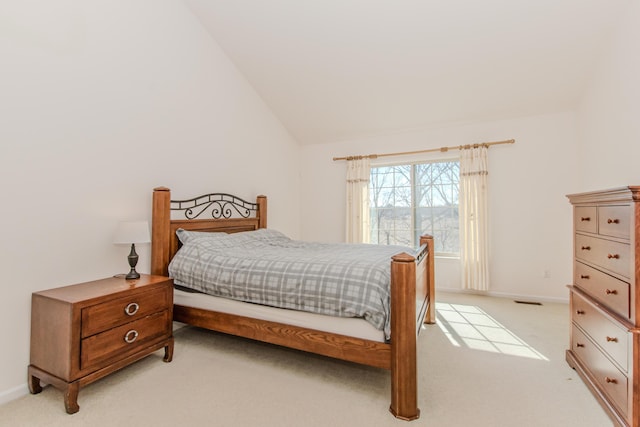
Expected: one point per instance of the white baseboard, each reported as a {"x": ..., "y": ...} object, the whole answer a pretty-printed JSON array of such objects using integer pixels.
[
  {"x": 505, "y": 295},
  {"x": 13, "y": 393}
]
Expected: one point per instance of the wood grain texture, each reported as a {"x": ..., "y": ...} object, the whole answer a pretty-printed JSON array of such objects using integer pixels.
[
  {"x": 342, "y": 347},
  {"x": 404, "y": 364}
]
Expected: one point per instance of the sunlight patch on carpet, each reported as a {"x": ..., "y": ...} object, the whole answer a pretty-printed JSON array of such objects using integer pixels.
[{"x": 470, "y": 326}]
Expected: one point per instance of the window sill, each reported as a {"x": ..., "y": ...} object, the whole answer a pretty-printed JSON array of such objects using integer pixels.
[{"x": 451, "y": 257}]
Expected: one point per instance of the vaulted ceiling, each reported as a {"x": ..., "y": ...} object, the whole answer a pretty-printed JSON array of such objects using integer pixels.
[{"x": 340, "y": 69}]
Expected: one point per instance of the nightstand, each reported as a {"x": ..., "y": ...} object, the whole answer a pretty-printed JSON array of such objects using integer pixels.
[{"x": 81, "y": 333}]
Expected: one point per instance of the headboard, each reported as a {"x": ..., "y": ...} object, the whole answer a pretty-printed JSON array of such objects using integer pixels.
[{"x": 219, "y": 212}]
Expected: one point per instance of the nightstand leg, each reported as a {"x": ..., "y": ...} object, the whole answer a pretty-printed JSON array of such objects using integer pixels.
[
  {"x": 71, "y": 398},
  {"x": 34, "y": 383},
  {"x": 168, "y": 351}
]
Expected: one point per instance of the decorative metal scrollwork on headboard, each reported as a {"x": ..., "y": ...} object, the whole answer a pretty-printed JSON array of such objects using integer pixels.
[{"x": 219, "y": 205}]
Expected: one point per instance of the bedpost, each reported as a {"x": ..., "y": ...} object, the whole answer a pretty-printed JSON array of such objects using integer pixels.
[
  {"x": 427, "y": 239},
  {"x": 262, "y": 211},
  {"x": 160, "y": 231},
  {"x": 404, "y": 364}
]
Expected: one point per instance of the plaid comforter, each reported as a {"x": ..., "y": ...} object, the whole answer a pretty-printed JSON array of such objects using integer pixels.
[{"x": 266, "y": 267}]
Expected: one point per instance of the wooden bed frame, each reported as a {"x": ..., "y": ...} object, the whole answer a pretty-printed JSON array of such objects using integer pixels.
[{"x": 412, "y": 296}]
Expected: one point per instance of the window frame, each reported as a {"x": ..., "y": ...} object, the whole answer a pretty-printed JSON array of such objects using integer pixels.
[{"x": 412, "y": 163}]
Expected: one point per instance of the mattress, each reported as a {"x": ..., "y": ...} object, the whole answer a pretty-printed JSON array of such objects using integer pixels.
[{"x": 353, "y": 327}]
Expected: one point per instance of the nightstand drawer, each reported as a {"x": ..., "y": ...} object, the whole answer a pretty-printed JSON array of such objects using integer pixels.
[
  {"x": 612, "y": 338},
  {"x": 124, "y": 339},
  {"x": 613, "y": 256},
  {"x": 100, "y": 317},
  {"x": 608, "y": 290},
  {"x": 612, "y": 381}
]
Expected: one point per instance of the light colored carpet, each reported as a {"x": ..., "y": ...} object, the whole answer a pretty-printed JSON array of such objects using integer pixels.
[{"x": 489, "y": 362}]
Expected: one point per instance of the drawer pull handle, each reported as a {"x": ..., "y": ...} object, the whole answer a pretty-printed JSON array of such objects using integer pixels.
[
  {"x": 613, "y": 256},
  {"x": 586, "y": 248},
  {"x": 579, "y": 345},
  {"x": 610, "y": 380},
  {"x": 612, "y": 339},
  {"x": 584, "y": 276},
  {"x": 130, "y": 336},
  {"x": 585, "y": 218},
  {"x": 131, "y": 309},
  {"x": 613, "y": 221},
  {"x": 611, "y": 292},
  {"x": 579, "y": 311}
]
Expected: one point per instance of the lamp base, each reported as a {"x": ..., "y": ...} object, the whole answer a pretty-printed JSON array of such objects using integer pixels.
[
  {"x": 133, "y": 274},
  {"x": 133, "y": 260}
]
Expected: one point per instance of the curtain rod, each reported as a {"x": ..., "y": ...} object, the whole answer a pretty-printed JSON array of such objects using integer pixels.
[{"x": 441, "y": 149}]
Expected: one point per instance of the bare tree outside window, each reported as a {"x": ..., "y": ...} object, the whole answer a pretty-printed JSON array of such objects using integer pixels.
[{"x": 413, "y": 199}]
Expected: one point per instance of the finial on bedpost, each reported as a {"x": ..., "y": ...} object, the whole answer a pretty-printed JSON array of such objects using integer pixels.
[{"x": 160, "y": 231}]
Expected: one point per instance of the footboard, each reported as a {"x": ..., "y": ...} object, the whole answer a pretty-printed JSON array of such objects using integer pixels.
[{"x": 412, "y": 303}]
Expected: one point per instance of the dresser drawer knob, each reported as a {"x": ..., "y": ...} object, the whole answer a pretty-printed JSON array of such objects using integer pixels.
[
  {"x": 613, "y": 256},
  {"x": 579, "y": 345},
  {"x": 585, "y": 218},
  {"x": 584, "y": 276},
  {"x": 610, "y": 380},
  {"x": 586, "y": 248},
  {"x": 580, "y": 312},
  {"x": 612, "y": 339},
  {"x": 613, "y": 221},
  {"x": 131, "y": 309},
  {"x": 611, "y": 292},
  {"x": 130, "y": 336}
]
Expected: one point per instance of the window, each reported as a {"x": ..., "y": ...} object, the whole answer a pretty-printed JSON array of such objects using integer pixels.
[{"x": 413, "y": 199}]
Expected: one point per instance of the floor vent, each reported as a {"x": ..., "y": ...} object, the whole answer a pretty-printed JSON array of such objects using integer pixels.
[{"x": 528, "y": 302}]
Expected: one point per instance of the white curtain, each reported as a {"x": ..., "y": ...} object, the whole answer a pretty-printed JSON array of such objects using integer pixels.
[
  {"x": 358, "y": 172},
  {"x": 474, "y": 250}
]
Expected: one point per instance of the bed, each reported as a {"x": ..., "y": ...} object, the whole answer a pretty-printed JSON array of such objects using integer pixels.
[{"x": 412, "y": 297}]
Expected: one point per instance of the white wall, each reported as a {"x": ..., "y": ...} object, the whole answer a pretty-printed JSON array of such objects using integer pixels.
[
  {"x": 530, "y": 216},
  {"x": 609, "y": 117},
  {"x": 100, "y": 102}
]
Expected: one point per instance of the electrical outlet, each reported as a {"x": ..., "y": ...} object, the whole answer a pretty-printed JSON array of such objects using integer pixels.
[{"x": 546, "y": 274}]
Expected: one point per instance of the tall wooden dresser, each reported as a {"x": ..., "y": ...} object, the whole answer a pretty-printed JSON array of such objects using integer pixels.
[{"x": 605, "y": 294}]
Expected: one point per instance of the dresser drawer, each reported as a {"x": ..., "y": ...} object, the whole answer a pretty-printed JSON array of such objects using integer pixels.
[
  {"x": 611, "y": 380},
  {"x": 611, "y": 337},
  {"x": 585, "y": 219},
  {"x": 614, "y": 221},
  {"x": 613, "y": 256},
  {"x": 124, "y": 339},
  {"x": 606, "y": 289},
  {"x": 100, "y": 317}
]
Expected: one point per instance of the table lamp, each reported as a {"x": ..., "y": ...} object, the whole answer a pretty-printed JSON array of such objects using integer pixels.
[{"x": 132, "y": 232}]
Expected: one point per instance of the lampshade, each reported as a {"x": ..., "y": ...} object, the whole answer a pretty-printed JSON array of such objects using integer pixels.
[{"x": 132, "y": 232}]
